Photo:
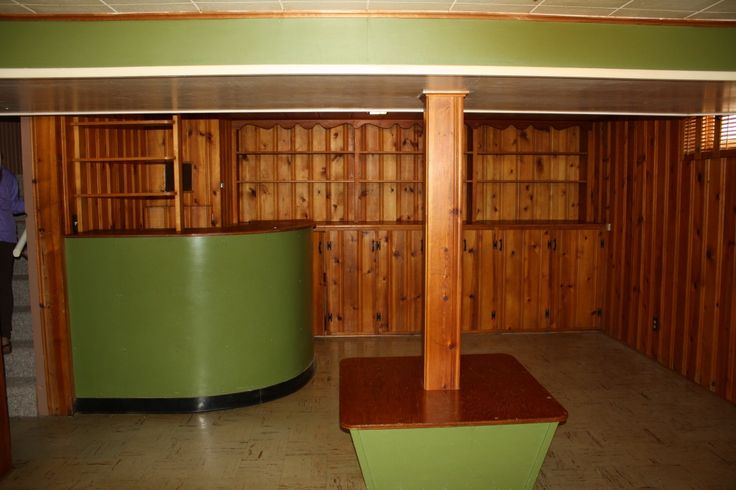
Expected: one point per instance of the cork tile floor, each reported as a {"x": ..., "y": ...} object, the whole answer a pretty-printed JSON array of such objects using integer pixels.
[{"x": 632, "y": 424}]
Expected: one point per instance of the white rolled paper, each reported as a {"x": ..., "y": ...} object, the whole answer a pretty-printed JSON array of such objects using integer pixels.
[{"x": 20, "y": 245}]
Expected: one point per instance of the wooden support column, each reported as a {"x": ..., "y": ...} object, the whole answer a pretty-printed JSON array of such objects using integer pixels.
[{"x": 443, "y": 126}]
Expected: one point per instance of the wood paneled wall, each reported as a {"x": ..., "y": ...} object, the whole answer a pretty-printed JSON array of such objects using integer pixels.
[
  {"x": 199, "y": 146},
  {"x": 45, "y": 135},
  {"x": 334, "y": 172},
  {"x": 527, "y": 173},
  {"x": 373, "y": 281},
  {"x": 672, "y": 255},
  {"x": 10, "y": 149},
  {"x": 532, "y": 279}
]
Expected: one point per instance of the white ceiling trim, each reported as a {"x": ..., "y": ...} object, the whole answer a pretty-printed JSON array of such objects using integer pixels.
[{"x": 346, "y": 70}]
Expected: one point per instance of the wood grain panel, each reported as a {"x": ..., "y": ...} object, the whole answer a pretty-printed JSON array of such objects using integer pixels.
[
  {"x": 443, "y": 123},
  {"x": 671, "y": 250},
  {"x": 200, "y": 147},
  {"x": 295, "y": 172},
  {"x": 471, "y": 273},
  {"x": 406, "y": 288},
  {"x": 10, "y": 148},
  {"x": 46, "y": 166}
]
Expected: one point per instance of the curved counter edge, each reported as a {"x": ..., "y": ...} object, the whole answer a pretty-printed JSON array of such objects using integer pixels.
[
  {"x": 194, "y": 319},
  {"x": 195, "y": 404}
]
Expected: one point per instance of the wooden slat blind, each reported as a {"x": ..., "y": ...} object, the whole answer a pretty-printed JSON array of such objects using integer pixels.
[{"x": 728, "y": 132}]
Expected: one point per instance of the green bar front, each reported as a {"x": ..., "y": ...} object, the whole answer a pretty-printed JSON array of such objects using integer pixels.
[
  {"x": 507, "y": 456},
  {"x": 188, "y": 316}
]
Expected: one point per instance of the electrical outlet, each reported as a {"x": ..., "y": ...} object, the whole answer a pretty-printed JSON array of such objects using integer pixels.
[{"x": 655, "y": 323}]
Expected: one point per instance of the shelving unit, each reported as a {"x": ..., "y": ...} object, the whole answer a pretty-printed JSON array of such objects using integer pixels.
[
  {"x": 118, "y": 168},
  {"x": 527, "y": 173},
  {"x": 363, "y": 185}
]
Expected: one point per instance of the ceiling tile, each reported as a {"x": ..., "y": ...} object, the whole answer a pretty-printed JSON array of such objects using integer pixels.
[
  {"x": 725, "y": 6},
  {"x": 583, "y": 3},
  {"x": 651, "y": 14},
  {"x": 68, "y": 9},
  {"x": 476, "y": 7},
  {"x": 685, "y": 5},
  {"x": 13, "y": 9},
  {"x": 141, "y": 7},
  {"x": 239, "y": 6},
  {"x": 713, "y": 16},
  {"x": 584, "y": 11},
  {"x": 65, "y": 3},
  {"x": 328, "y": 5},
  {"x": 494, "y": 4},
  {"x": 425, "y": 6}
]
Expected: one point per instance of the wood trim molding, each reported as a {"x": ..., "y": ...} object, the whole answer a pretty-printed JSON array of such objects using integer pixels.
[{"x": 377, "y": 13}]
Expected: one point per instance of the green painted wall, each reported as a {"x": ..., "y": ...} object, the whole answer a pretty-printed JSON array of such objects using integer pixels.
[
  {"x": 178, "y": 316},
  {"x": 369, "y": 40},
  {"x": 473, "y": 457}
]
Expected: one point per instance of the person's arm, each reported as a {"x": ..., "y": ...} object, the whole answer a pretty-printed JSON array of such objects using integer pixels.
[{"x": 16, "y": 202}]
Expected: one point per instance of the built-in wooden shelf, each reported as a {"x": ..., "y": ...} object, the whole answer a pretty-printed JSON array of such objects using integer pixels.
[
  {"x": 140, "y": 159},
  {"x": 495, "y": 389},
  {"x": 534, "y": 224},
  {"x": 475, "y": 225},
  {"x": 294, "y": 181},
  {"x": 531, "y": 153},
  {"x": 148, "y": 123},
  {"x": 525, "y": 181},
  {"x": 296, "y": 152},
  {"x": 118, "y": 195},
  {"x": 368, "y": 225},
  {"x": 331, "y": 181}
]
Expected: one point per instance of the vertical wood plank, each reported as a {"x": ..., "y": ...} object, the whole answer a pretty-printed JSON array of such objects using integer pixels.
[
  {"x": 532, "y": 309},
  {"x": 526, "y": 202},
  {"x": 511, "y": 248},
  {"x": 41, "y": 161},
  {"x": 469, "y": 317},
  {"x": 319, "y": 285},
  {"x": 443, "y": 122},
  {"x": 542, "y": 171},
  {"x": 677, "y": 262}
]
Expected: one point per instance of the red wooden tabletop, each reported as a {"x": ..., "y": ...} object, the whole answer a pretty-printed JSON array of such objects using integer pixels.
[{"x": 386, "y": 392}]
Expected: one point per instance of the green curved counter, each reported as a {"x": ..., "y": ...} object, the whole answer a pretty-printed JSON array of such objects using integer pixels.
[{"x": 195, "y": 317}]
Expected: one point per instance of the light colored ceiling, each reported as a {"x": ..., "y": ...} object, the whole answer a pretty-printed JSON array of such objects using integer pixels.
[{"x": 638, "y": 9}]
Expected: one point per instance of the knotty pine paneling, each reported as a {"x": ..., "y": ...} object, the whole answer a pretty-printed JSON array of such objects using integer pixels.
[
  {"x": 10, "y": 150},
  {"x": 671, "y": 251},
  {"x": 528, "y": 173},
  {"x": 295, "y": 172},
  {"x": 43, "y": 141},
  {"x": 110, "y": 177},
  {"x": 330, "y": 173},
  {"x": 200, "y": 146},
  {"x": 373, "y": 281},
  {"x": 532, "y": 279},
  {"x": 390, "y": 173}
]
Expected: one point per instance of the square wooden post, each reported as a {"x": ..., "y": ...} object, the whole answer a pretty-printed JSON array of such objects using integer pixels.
[{"x": 443, "y": 127}]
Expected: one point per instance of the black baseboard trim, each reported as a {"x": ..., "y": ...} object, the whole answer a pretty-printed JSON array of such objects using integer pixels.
[{"x": 195, "y": 404}]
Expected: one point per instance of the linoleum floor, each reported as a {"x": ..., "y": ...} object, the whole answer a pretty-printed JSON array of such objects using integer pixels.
[{"x": 632, "y": 424}]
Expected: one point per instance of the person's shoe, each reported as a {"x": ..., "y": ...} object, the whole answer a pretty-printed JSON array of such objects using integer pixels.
[{"x": 7, "y": 346}]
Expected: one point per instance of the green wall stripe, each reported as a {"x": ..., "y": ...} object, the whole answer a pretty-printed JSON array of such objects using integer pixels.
[{"x": 368, "y": 40}]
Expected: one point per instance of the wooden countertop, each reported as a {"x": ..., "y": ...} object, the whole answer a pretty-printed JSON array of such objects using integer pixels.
[
  {"x": 495, "y": 389},
  {"x": 242, "y": 229}
]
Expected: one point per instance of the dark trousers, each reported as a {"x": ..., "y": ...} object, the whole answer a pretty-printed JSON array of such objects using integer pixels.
[{"x": 6, "y": 288}]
